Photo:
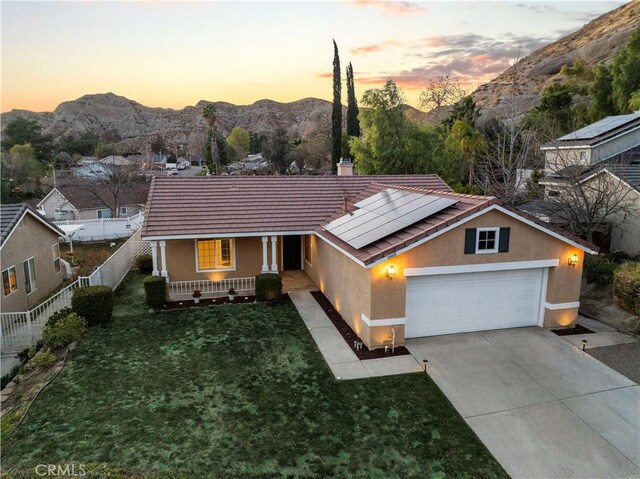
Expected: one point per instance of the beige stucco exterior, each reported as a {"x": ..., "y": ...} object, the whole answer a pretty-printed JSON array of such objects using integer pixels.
[
  {"x": 55, "y": 200},
  {"x": 356, "y": 291},
  {"x": 32, "y": 239}
]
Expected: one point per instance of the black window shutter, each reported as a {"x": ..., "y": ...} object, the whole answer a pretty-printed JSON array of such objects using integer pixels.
[
  {"x": 503, "y": 245},
  {"x": 470, "y": 241}
]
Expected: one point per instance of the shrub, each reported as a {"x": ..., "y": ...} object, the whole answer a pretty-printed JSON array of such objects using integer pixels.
[
  {"x": 626, "y": 287},
  {"x": 268, "y": 286},
  {"x": 144, "y": 263},
  {"x": 155, "y": 290},
  {"x": 93, "y": 303},
  {"x": 58, "y": 315},
  {"x": 43, "y": 359},
  {"x": 599, "y": 269},
  {"x": 7, "y": 378},
  {"x": 63, "y": 332}
]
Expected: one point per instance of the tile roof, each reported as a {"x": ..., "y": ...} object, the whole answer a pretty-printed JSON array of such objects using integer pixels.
[
  {"x": 191, "y": 207},
  {"x": 84, "y": 195},
  {"x": 10, "y": 214},
  {"x": 253, "y": 204}
]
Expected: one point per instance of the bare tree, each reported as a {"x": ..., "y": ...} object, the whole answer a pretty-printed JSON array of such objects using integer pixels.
[
  {"x": 586, "y": 199},
  {"x": 442, "y": 90}
]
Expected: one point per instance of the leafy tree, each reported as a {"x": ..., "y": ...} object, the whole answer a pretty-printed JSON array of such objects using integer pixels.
[
  {"x": 470, "y": 144},
  {"x": 105, "y": 149},
  {"x": 84, "y": 144},
  {"x": 158, "y": 145},
  {"x": 22, "y": 131},
  {"x": 210, "y": 115},
  {"x": 353, "y": 125},
  {"x": 634, "y": 101},
  {"x": 276, "y": 150},
  {"x": 625, "y": 73},
  {"x": 580, "y": 76},
  {"x": 207, "y": 155},
  {"x": 20, "y": 165},
  {"x": 255, "y": 142},
  {"x": 336, "y": 112},
  {"x": 226, "y": 153},
  {"x": 601, "y": 91},
  {"x": 464, "y": 110},
  {"x": 63, "y": 160},
  {"x": 240, "y": 141}
]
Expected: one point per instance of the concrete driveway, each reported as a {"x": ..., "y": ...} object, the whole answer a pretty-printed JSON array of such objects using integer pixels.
[{"x": 541, "y": 406}]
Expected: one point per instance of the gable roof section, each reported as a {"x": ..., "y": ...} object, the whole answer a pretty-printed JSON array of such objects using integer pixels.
[
  {"x": 598, "y": 132},
  {"x": 12, "y": 214},
  {"x": 231, "y": 205},
  {"x": 85, "y": 195}
]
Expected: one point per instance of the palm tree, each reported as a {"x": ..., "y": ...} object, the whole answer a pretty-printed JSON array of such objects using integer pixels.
[{"x": 210, "y": 115}]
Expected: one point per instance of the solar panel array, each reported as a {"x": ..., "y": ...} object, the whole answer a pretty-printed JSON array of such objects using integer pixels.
[
  {"x": 385, "y": 213},
  {"x": 599, "y": 127}
]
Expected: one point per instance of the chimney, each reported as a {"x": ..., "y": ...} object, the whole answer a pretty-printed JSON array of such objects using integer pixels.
[{"x": 345, "y": 167}]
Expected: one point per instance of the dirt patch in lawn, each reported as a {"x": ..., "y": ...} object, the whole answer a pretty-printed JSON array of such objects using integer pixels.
[
  {"x": 350, "y": 336},
  {"x": 577, "y": 329}
]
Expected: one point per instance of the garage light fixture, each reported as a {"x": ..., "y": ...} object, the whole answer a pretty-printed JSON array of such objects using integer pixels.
[
  {"x": 391, "y": 271},
  {"x": 573, "y": 260}
]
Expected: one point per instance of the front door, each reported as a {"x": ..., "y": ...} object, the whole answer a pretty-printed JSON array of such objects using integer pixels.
[{"x": 291, "y": 252}]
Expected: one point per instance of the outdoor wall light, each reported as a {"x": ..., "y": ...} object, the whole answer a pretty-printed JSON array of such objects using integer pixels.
[
  {"x": 391, "y": 271},
  {"x": 573, "y": 260}
]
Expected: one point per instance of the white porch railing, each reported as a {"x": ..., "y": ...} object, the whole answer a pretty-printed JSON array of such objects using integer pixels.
[
  {"x": 184, "y": 289},
  {"x": 105, "y": 228},
  {"x": 23, "y": 329}
]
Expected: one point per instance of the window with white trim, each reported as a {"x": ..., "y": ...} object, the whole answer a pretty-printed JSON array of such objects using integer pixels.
[
  {"x": 9, "y": 280},
  {"x": 487, "y": 240},
  {"x": 215, "y": 254},
  {"x": 55, "y": 249},
  {"x": 123, "y": 211},
  {"x": 29, "y": 267},
  {"x": 103, "y": 213}
]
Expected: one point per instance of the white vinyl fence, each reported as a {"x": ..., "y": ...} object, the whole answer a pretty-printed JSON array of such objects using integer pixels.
[
  {"x": 105, "y": 228},
  {"x": 23, "y": 329},
  {"x": 184, "y": 289}
]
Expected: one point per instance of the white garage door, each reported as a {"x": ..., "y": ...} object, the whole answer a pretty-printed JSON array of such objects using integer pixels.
[{"x": 456, "y": 303}]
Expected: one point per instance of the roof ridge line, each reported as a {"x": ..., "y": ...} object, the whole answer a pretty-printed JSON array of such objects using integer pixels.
[{"x": 420, "y": 189}]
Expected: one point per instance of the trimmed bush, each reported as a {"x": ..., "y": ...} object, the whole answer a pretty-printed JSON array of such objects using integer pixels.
[
  {"x": 43, "y": 359},
  {"x": 268, "y": 286},
  {"x": 144, "y": 264},
  {"x": 64, "y": 331},
  {"x": 155, "y": 290},
  {"x": 626, "y": 287},
  {"x": 93, "y": 303},
  {"x": 599, "y": 269},
  {"x": 57, "y": 316}
]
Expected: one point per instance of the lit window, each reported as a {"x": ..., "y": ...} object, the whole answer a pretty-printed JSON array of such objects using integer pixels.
[
  {"x": 9, "y": 280},
  {"x": 487, "y": 240},
  {"x": 307, "y": 249},
  {"x": 215, "y": 254},
  {"x": 56, "y": 257},
  {"x": 29, "y": 267}
]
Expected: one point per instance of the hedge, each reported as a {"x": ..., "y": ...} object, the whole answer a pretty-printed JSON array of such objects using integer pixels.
[
  {"x": 57, "y": 316},
  {"x": 599, "y": 269},
  {"x": 268, "y": 286},
  {"x": 155, "y": 290},
  {"x": 626, "y": 287},
  {"x": 144, "y": 264},
  {"x": 64, "y": 331},
  {"x": 93, "y": 303}
]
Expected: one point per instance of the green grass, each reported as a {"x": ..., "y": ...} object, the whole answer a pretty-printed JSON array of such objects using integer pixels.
[{"x": 236, "y": 391}]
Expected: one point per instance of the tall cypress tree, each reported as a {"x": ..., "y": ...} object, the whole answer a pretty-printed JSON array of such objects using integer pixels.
[
  {"x": 353, "y": 125},
  {"x": 336, "y": 114}
]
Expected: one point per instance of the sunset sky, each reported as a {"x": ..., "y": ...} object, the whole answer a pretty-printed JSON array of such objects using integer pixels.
[{"x": 173, "y": 54}]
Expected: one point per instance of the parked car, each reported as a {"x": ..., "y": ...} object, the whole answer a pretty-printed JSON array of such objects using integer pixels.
[
  {"x": 173, "y": 172},
  {"x": 183, "y": 165}
]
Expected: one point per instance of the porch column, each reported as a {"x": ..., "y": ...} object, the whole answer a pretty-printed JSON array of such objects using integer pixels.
[
  {"x": 265, "y": 262},
  {"x": 274, "y": 254},
  {"x": 154, "y": 257},
  {"x": 163, "y": 257}
]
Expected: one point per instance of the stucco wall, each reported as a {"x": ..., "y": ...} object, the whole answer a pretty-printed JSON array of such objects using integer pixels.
[
  {"x": 625, "y": 235},
  {"x": 613, "y": 147},
  {"x": 34, "y": 239},
  {"x": 56, "y": 200}
]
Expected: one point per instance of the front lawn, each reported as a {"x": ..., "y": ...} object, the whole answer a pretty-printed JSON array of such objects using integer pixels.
[{"x": 236, "y": 391}]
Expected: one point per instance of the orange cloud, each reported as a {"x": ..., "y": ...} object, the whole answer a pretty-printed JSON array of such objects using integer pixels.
[
  {"x": 376, "y": 47},
  {"x": 391, "y": 7}
]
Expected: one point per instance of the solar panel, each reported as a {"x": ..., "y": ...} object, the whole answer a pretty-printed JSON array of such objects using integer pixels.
[
  {"x": 599, "y": 127},
  {"x": 385, "y": 213}
]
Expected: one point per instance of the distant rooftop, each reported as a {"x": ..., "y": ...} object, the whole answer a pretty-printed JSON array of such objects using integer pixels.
[{"x": 599, "y": 132}]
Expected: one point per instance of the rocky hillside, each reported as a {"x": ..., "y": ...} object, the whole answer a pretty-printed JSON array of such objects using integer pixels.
[{"x": 598, "y": 41}]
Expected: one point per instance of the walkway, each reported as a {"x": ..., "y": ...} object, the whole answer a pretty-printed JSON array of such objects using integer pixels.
[
  {"x": 542, "y": 407},
  {"x": 341, "y": 359}
]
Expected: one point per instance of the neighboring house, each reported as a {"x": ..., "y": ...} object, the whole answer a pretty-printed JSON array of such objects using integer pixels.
[
  {"x": 30, "y": 257},
  {"x": 610, "y": 146},
  {"x": 80, "y": 201},
  {"x": 397, "y": 256}
]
